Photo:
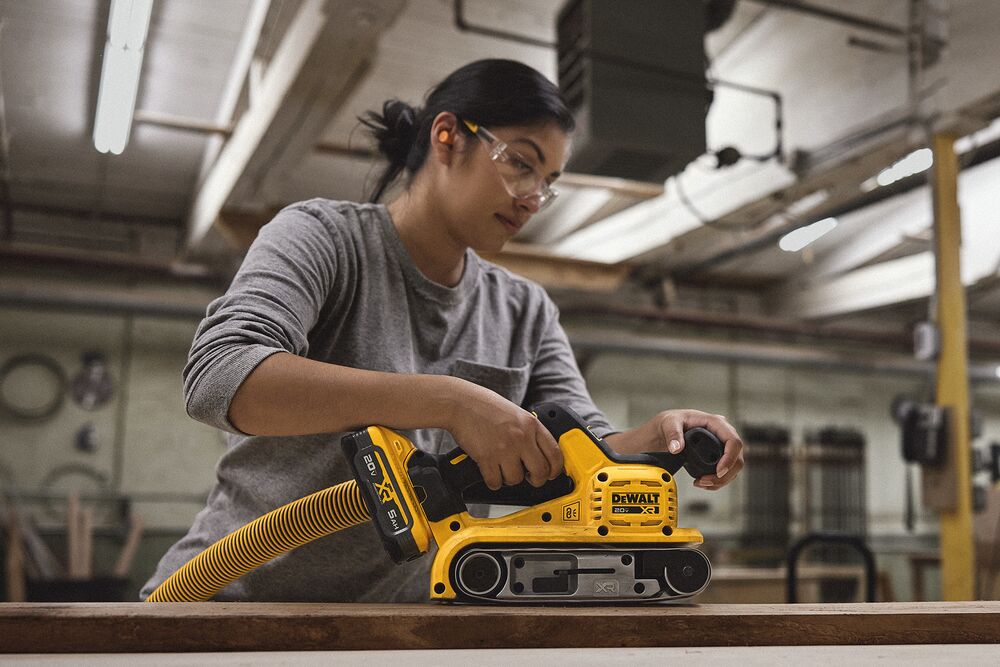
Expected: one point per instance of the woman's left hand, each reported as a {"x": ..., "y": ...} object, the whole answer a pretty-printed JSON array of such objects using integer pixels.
[{"x": 665, "y": 432}]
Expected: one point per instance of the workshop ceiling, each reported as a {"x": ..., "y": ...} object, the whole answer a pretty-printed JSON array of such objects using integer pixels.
[{"x": 292, "y": 134}]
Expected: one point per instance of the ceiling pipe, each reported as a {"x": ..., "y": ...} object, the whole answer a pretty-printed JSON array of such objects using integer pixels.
[
  {"x": 101, "y": 301},
  {"x": 111, "y": 263},
  {"x": 760, "y": 325},
  {"x": 584, "y": 342},
  {"x": 591, "y": 342},
  {"x": 87, "y": 215},
  {"x": 840, "y": 17}
]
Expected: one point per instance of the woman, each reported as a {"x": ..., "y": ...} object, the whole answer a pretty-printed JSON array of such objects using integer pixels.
[{"x": 346, "y": 314}]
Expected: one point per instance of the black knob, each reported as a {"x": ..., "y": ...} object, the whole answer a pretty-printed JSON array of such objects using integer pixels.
[{"x": 702, "y": 451}]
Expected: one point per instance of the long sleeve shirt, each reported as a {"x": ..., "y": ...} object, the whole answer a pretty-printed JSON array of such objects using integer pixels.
[{"x": 333, "y": 282}]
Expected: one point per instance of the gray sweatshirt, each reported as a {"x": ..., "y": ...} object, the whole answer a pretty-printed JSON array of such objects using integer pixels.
[{"x": 332, "y": 281}]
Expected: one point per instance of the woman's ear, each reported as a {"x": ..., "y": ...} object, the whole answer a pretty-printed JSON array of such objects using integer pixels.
[{"x": 444, "y": 135}]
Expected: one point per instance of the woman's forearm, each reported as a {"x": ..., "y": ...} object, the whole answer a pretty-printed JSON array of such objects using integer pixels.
[
  {"x": 634, "y": 441},
  {"x": 291, "y": 395}
]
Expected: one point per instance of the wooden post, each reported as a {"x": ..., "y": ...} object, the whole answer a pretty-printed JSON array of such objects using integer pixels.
[{"x": 953, "y": 482}]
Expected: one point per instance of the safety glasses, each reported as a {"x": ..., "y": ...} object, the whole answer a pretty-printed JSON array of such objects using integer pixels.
[{"x": 519, "y": 177}]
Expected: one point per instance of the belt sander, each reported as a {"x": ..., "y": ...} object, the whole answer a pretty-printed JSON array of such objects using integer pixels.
[{"x": 604, "y": 531}]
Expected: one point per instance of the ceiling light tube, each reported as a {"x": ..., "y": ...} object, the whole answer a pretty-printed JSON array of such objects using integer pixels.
[
  {"x": 128, "y": 23},
  {"x": 128, "y": 26},
  {"x": 914, "y": 163},
  {"x": 797, "y": 239}
]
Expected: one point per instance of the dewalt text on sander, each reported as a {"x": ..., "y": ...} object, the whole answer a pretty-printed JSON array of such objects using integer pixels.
[{"x": 606, "y": 531}]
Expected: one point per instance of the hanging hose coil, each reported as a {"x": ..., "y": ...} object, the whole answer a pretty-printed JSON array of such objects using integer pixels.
[{"x": 286, "y": 528}]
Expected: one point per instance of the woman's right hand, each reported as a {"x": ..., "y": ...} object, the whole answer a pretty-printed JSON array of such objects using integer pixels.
[{"x": 507, "y": 442}]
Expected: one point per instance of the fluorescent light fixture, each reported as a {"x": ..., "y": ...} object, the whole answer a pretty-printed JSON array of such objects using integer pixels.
[
  {"x": 997, "y": 371},
  {"x": 128, "y": 26},
  {"x": 568, "y": 213},
  {"x": 914, "y": 163},
  {"x": 798, "y": 239},
  {"x": 922, "y": 159},
  {"x": 971, "y": 141}
]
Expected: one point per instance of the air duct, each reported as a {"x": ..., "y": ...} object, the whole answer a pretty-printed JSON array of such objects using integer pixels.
[{"x": 634, "y": 75}]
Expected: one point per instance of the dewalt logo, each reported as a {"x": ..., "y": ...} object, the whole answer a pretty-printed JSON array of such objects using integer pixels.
[
  {"x": 635, "y": 498},
  {"x": 635, "y": 503}
]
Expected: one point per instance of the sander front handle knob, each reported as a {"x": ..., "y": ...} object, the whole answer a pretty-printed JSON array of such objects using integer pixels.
[{"x": 701, "y": 453}]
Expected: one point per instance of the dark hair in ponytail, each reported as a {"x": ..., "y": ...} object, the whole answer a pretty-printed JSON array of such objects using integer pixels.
[{"x": 493, "y": 93}]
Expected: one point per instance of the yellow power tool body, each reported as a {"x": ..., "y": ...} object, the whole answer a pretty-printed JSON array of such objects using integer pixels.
[{"x": 605, "y": 531}]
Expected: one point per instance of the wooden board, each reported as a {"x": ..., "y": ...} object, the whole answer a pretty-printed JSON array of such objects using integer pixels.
[
  {"x": 757, "y": 585},
  {"x": 207, "y": 626}
]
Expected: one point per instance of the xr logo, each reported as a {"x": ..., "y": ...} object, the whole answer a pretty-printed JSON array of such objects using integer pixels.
[
  {"x": 385, "y": 492},
  {"x": 606, "y": 587}
]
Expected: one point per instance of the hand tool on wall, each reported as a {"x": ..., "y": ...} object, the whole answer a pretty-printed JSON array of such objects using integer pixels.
[
  {"x": 132, "y": 539},
  {"x": 86, "y": 543},
  {"x": 14, "y": 563},
  {"x": 73, "y": 567},
  {"x": 38, "y": 553}
]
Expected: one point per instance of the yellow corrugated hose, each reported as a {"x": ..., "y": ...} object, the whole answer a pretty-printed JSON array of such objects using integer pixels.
[{"x": 278, "y": 531}]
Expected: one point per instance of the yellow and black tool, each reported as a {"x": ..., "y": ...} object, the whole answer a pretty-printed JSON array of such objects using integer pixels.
[{"x": 606, "y": 531}]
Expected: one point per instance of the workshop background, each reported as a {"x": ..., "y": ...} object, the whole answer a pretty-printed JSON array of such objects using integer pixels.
[{"x": 746, "y": 227}]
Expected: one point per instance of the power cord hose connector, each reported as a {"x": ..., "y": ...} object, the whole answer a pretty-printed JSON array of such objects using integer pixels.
[{"x": 281, "y": 530}]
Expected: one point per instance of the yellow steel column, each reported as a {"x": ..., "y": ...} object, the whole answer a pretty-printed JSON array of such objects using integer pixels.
[{"x": 957, "y": 549}]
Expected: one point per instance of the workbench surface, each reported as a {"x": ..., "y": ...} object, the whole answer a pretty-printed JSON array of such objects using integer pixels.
[{"x": 216, "y": 626}]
